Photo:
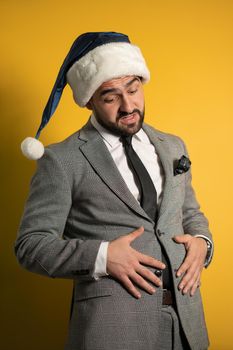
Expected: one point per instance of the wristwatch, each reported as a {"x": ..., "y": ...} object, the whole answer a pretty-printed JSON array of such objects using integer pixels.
[{"x": 209, "y": 253}]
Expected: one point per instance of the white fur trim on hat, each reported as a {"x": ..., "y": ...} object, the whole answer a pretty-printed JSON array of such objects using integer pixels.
[
  {"x": 32, "y": 148},
  {"x": 105, "y": 62}
]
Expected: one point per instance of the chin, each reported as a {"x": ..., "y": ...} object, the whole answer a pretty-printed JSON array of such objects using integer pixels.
[{"x": 131, "y": 129}]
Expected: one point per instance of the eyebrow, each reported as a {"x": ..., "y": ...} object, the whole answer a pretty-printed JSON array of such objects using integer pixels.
[{"x": 107, "y": 91}]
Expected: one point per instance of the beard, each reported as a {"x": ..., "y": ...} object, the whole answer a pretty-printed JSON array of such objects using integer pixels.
[{"x": 119, "y": 129}]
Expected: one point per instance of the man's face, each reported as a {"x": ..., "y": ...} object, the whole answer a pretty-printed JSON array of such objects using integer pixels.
[{"x": 118, "y": 105}]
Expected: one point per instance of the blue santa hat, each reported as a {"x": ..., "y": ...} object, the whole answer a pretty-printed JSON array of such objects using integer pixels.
[{"x": 93, "y": 59}]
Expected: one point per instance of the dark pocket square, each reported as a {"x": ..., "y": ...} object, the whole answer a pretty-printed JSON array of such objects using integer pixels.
[{"x": 182, "y": 165}]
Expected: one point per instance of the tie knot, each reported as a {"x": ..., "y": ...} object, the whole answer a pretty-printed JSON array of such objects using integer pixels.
[{"x": 127, "y": 140}]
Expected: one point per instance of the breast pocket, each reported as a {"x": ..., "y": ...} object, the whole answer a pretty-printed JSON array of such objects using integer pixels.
[
  {"x": 178, "y": 180},
  {"x": 177, "y": 194}
]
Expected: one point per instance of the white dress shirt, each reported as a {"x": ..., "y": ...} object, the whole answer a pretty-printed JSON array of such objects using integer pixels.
[{"x": 150, "y": 159}]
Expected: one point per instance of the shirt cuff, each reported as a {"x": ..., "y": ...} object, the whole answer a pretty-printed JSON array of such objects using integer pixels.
[
  {"x": 100, "y": 269},
  {"x": 210, "y": 252}
]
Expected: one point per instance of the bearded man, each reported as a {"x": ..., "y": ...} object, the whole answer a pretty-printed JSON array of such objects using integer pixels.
[{"x": 112, "y": 208}]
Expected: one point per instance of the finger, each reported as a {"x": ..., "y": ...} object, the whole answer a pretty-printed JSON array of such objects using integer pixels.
[
  {"x": 142, "y": 283},
  {"x": 188, "y": 282},
  {"x": 130, "y": 287},
  {"x": 185, "y": 265},
  {"x": 149, "y": 275},
  {"x": 150, "y": 261},
  {"x": 182, "y": 238},
  {"x": 189, "y": 260},
  {"x": 196, "y": 285},
  {"x": 135, "y": 234}
]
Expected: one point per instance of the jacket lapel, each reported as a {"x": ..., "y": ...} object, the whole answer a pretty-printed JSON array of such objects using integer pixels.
[
  {"x": 97, "y": 154},
  {"x": 162, "y": 149}
]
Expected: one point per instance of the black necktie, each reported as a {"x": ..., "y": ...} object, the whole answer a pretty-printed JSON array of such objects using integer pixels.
[{"x": 147, "y": 191}]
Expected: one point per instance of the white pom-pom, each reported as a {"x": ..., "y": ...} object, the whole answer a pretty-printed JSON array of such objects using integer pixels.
[{"x": 32, "y": 148}]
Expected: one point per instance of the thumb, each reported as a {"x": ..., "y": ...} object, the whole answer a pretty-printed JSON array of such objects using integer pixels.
[
  {"x": 135, "y": 234},
  {"x": 181, "y": 238}
]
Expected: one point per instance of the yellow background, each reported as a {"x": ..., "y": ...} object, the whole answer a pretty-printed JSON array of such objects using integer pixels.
[{"x": 188, "y": 47}]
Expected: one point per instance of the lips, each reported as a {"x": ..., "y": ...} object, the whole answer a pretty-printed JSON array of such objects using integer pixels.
[{"x": 129, "y": 119}]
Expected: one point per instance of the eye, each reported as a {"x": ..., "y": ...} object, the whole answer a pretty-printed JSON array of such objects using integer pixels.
[
  {"x": 108, "y": 100},
  {"x": 133, "y": 91}
]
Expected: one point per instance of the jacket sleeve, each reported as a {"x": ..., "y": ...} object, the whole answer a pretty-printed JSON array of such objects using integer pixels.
[
  {"x": 40, "y": 246},
  {"x": 194, "y": 221}
]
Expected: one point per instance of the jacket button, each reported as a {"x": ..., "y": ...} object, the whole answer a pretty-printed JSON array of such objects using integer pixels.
[
  {"x": 158, "y": 272},
  {"x": 160, "y": 233}
]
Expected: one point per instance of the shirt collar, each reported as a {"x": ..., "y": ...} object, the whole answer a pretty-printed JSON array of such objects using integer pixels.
[{"x": 112, "y": 139}]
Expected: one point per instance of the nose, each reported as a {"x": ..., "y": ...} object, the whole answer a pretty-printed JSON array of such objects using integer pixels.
[{"x": 126, "y": 104}]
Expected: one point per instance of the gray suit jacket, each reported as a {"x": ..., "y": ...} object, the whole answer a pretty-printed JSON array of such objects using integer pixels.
[{"x": 79, "y": 199}]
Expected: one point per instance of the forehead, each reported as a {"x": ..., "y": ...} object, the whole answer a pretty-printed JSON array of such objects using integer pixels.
[{"x": 117, "y": 83}]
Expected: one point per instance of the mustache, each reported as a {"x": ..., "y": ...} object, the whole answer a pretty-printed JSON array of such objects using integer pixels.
[{"x": 125, "y": 114}]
